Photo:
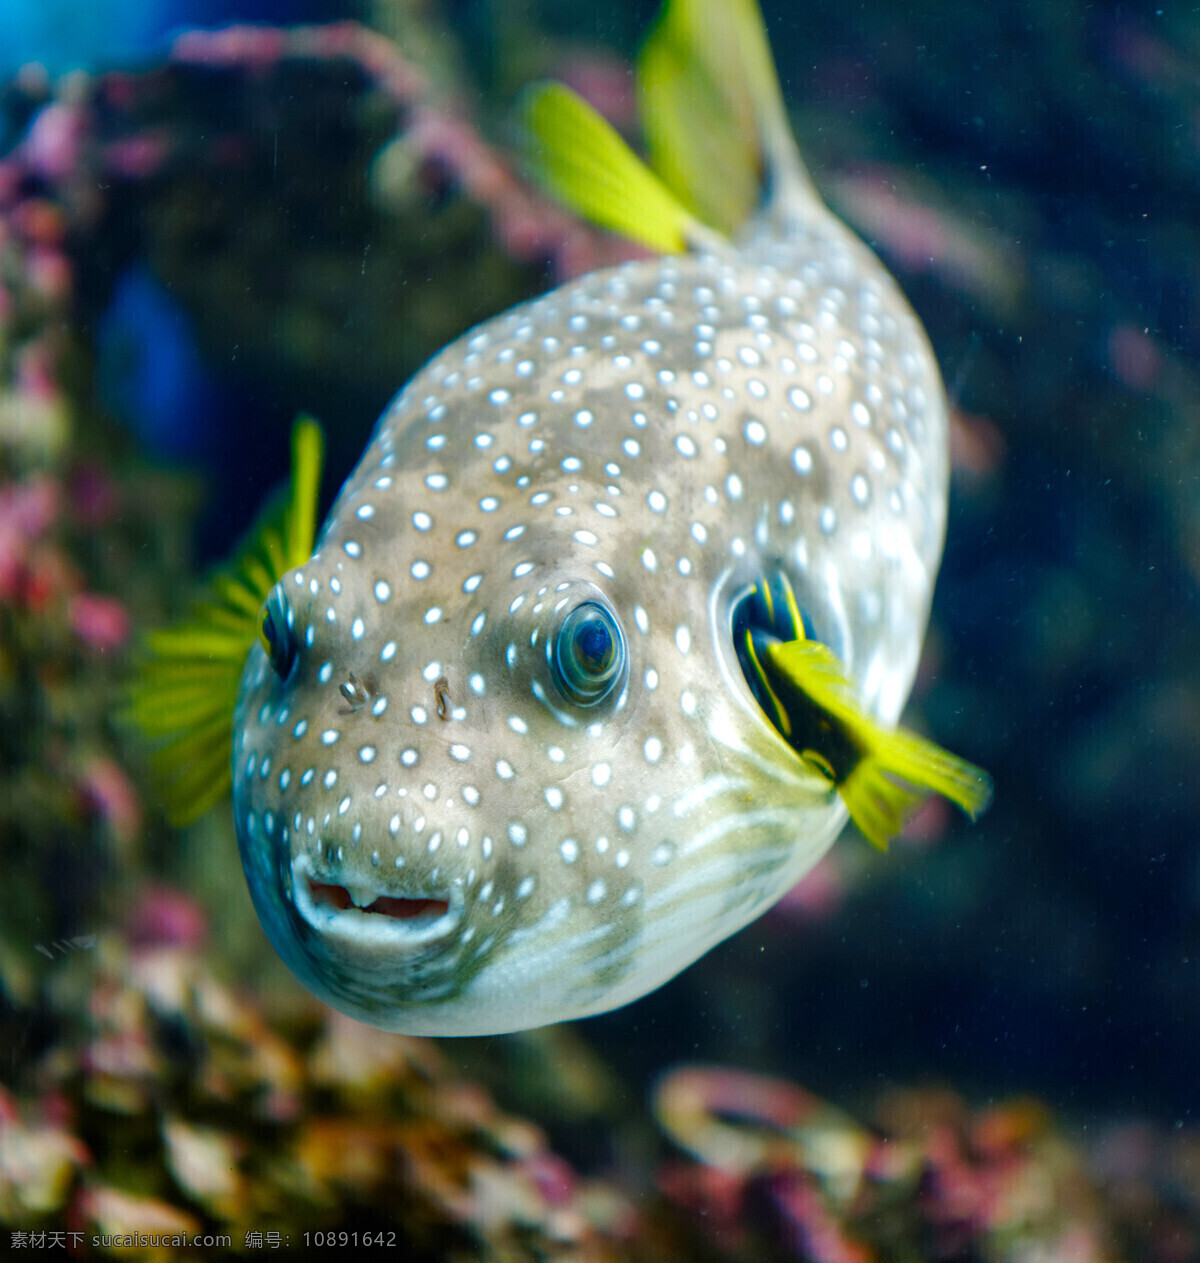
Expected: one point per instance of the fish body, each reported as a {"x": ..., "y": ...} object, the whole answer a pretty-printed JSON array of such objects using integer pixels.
[
  {"x": 610, "y": 625},
  {"x": 651, "y": 438}
]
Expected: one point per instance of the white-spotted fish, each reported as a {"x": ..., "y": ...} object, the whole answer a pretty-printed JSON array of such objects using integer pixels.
[{"x": 607, "y": 633}]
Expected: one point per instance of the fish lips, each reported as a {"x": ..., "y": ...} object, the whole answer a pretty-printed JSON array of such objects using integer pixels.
[{"x": 364, "y": 918}]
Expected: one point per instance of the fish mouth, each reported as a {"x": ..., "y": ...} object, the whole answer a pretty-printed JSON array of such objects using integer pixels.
[
  {"x": 367, "y": 914},
  {"x": 382, "y": 905}
]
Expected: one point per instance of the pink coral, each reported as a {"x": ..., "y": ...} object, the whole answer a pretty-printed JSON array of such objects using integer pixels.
[
  {"x": 99, "y": 621},
  {"x": 36, "y": 574},
  {"x": 54, "y": 141},
  {"x": 604, "y": 82},
  {"x": 108, "y": 791},
  {"x": 27, "y": 511},
  {"x": 165, "y": 917},
  {"x": 241, "y": 45}
]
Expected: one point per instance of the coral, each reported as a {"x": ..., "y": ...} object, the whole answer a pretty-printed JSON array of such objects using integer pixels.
[
  {"x": 182, "y": 1105},
  {"x": 776, "y": 1172},
  {"x": 179, "y": 1106},
  {"x": 61, "y": 782},
  {"x": 72, "y": 520}
]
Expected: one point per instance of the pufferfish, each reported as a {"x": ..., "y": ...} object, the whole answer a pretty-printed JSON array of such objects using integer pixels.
[{"x": 607, "y": 634}]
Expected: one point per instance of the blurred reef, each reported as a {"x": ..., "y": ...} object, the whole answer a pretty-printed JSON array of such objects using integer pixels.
[
  {"x": 173, "y": 1104},
  {"x": 203, "y": 232}
]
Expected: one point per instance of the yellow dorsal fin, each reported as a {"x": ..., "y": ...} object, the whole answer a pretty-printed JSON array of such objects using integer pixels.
[
  {"x": 182, "y": 697},
  {"x": 713, "y": 112},
  {"x": 583, "y": 162},
  {"x": 878, "y": 805}
]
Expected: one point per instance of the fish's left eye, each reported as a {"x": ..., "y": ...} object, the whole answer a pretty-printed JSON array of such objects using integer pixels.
[
  {"x": 278, "y": 635},
  {"x": 589, "y": 654}
]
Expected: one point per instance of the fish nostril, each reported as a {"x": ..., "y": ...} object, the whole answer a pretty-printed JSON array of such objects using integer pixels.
[
  {"x": 355, "y": 692},
  {"x": 338, "y": 897},
  {"x": 441, "y": 693}
]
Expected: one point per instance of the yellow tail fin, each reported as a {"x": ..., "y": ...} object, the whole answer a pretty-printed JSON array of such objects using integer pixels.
[
  {"x": 182, "y": 697},
  {"x": 700, "y": 132},
  {"x": 712, "y": 110},
  {"x": 715, "y": 125}
]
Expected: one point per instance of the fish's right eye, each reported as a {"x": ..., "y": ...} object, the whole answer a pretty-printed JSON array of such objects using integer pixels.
[
  {"x": 589, "y": 654},
  {"x": 278, "y": 634}
]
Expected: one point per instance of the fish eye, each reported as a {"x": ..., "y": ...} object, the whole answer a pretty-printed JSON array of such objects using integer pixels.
[
  {"x": 278, "y": 635},
  {"x": 589, "y": 654}
]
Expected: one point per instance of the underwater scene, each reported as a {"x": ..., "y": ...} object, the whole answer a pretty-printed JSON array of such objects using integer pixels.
[{"x": 485, "y": 770}]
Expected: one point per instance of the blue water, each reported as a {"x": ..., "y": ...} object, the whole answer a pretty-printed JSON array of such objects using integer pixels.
[{"x": 64, "y": 35}]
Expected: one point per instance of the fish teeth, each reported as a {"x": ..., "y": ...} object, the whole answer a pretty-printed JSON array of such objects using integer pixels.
[{"x": 362, "y": 896}]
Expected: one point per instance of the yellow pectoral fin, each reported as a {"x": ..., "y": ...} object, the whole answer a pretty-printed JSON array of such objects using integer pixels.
[
  {"x": 880, "y": 806},
  {"x": 186, "y": 678},
  {"x": 894, "y": 770}
]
